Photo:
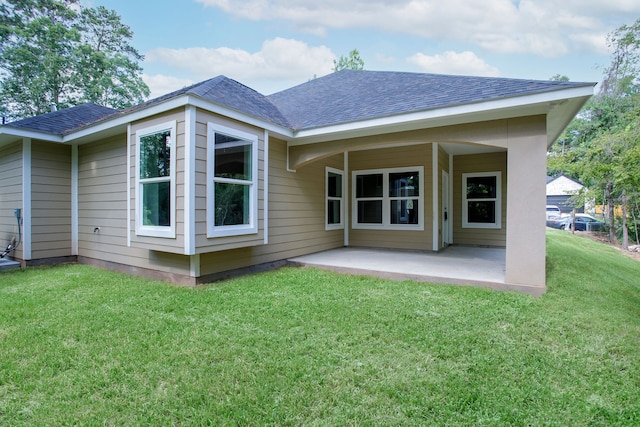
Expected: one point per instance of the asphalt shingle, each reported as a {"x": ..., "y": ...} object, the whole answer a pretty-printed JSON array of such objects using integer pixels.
[
  {"x": 349, "y": 95},
  {"x": 64, "y": 121},
  {"x": 229, "y": 93}
]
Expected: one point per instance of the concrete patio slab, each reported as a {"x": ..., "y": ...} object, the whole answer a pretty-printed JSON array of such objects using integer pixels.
[{"x": 457, "y": 265}]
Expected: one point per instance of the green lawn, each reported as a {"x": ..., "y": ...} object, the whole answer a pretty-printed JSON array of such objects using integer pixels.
[{"x": 83, "y": 346}]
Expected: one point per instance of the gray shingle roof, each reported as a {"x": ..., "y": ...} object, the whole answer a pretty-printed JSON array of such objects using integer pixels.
[
  {"x": 341, "y": 97},
  {"x": 64, "y": 121},
  {"x": 227, "y": 92},
  {"x": 348, "y": 95}
]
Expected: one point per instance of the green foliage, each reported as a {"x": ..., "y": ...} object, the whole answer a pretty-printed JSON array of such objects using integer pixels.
[
  {"x": 351, "y": 62},
  {"x": 232, "y": 203},
  {"x": 600, "y": 146},
  {"x": 299, "y": 346},
  {"x": 623, "y": 74},
  {"x": 58, "y": 52}
]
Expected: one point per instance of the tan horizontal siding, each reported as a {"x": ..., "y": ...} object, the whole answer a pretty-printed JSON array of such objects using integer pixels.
[
  {"x": 174, "y": 245},
  {"x": 50, "y": 200},
  {"x": 104, "y": 210},
  {"x": 443, "y": 165},
  {"x": 396, "y": 157},
  {"x": 102, "y": 202},
  {"x": 159, "y": 261},
  {"x": 296, "y": 216},
  {"x": 52, "y": 234},
  {"x": 104, "y": 179},
  {"x": 471, "y": 163},
  {"x": 203, "y": 243},
  {"x": 10, "y": 193}
]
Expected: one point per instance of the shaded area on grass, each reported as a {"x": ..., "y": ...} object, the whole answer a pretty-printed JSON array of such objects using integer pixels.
[{"x": 304, "y": 346}]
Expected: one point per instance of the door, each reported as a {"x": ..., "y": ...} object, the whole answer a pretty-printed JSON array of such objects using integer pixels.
[{"x": 446, "y": 236}]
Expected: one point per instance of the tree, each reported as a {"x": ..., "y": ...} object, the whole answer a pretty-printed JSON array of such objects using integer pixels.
[
  {"x": 352, "y": 62},
  {"x": 58, "y": 53},
  {"x": 601, "y": 146},
  {"x": 623, "y": 74},
  {"x": 115, "y": 80}
]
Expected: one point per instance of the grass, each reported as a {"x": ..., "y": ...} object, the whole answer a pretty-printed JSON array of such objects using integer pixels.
[{"x": 84, "y": 346}]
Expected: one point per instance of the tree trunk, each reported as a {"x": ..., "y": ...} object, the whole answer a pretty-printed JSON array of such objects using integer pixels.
[
  {"x": 610, "y": 208},
  {"x": 635, "y": 222},
  {"x": 625, "y": 231}
]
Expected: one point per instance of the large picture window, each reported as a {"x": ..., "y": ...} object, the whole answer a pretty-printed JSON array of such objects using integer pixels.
[
  {"x": 389, "y": 198},
  {"x": 232, "y": 182},
  {"x": 155, "y": 175},
  {"x": 482, "y": 200},
  {"x": 335, "y": 201}
]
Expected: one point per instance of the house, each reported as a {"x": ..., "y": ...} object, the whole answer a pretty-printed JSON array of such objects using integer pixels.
[
  {"x": 560, "y": 190},
  {"x": 217, "y": 178}
]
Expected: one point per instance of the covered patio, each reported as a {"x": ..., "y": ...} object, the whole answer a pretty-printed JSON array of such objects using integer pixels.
[{"x": 458, "y": 265}]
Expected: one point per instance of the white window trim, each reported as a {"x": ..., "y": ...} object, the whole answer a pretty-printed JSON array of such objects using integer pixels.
[
  {"x": 340, "y": 225},
  {"x": 149, "y": 230},
  {"x": 231, "y": 230},
  {"x": 386, "y": 200},
  {"x": 498, "y": 200}
]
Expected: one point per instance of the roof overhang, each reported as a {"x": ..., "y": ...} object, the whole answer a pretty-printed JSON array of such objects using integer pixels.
[
  {"x": 559, "y": 106},
  {"x": 10, "y": 134}
]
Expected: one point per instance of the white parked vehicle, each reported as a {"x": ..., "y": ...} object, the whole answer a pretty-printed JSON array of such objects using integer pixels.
[{"x": 553, "y": 212}]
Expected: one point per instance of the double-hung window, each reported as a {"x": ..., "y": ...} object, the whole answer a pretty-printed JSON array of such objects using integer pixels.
[
  {"x": 392, "y": 199},
  {"x": 482, "y": 200},
  {"x": 232, "y": 182},
  {"x": 155, "y": 177},
  {"x": 335, "y": 201}
]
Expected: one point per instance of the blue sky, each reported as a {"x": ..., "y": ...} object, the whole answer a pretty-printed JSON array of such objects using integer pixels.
[{"x": 271, "y": 45}]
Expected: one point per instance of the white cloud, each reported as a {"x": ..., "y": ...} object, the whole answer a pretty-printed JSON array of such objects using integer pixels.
[
  {"x": 160, "y": 84},
  {"x": 546, "y": 28},
  {"x": 463, "y": 63},
  {"x": 279, "y": 61}
]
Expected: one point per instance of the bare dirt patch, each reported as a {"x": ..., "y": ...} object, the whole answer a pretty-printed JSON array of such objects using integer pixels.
[{"x": 604, "y": 238}]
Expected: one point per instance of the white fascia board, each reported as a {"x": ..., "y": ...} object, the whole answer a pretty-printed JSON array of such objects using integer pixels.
[
  {"x": 502, "y": 108},
  {"x": 179, "y": 102},
  {"x": 241, "y": 117},
  {"x": 31, "y": 134},
  {"x": 125, "y": 119}
]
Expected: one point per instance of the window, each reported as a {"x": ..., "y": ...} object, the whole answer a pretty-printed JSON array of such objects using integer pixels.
[
  {"x": 389, "y": 198},
  {"x": 155, "y": 150},
  {"x": 232, "y": 182},
  {"x": 334, "y": 209},
  {"x": 481, "y": 204}
]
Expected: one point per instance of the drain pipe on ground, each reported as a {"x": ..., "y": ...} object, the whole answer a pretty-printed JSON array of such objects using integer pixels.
[{"x": 13, "y": 245}]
